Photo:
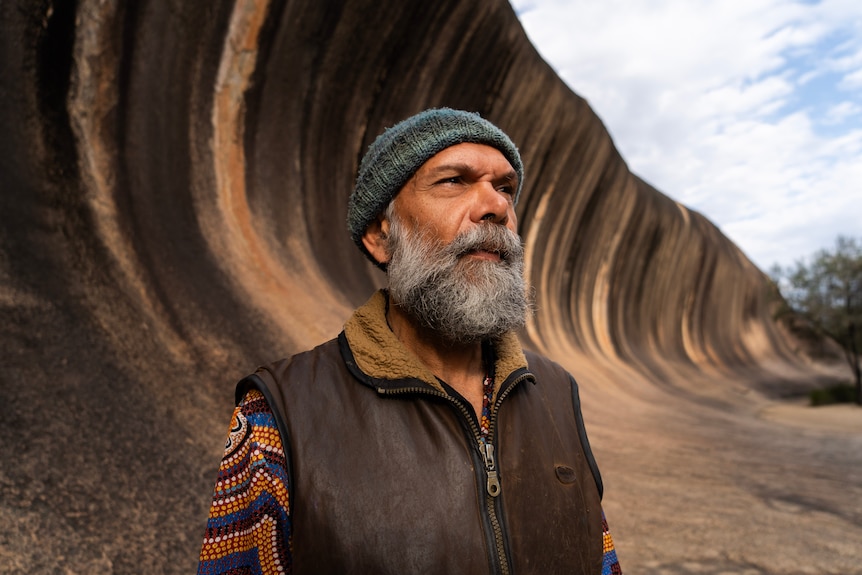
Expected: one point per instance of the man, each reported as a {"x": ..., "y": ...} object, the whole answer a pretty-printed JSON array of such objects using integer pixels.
[{"x": 422, "y": 439}]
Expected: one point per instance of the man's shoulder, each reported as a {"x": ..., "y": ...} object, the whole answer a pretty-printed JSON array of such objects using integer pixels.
[
  {"x": 273, "y": 378},
  {"x": 542, "y": 365},
  {"x": 327, "y": 350}
]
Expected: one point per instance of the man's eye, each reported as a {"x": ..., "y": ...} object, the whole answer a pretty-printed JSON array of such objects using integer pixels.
[
  {"x": 507, "y": 190},
  {"x": 451, "y": 180}
]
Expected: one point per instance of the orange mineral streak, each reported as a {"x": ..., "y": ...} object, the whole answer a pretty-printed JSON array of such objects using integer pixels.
[{"x": 232, "y": 230}]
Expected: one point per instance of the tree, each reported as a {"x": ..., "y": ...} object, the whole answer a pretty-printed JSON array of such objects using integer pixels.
[{"x": 828, "y": 293}]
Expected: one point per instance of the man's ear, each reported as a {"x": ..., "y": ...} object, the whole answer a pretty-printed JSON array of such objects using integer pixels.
[{"x": 376, "y": 239}]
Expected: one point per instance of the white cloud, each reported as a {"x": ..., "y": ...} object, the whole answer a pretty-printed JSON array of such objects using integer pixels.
[
  {"x": 732, "y": 108},
  {"x": 841, "y": 111},
  {"x": 852, "y": 80}
]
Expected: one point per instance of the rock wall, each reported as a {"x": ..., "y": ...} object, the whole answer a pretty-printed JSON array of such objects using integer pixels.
[{"x": 174, "y": 179}]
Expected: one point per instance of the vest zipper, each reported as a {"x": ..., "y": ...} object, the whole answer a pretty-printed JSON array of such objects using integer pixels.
[
  {"x": 493, "y": 482},
  {"x": 493, "y": 488}
]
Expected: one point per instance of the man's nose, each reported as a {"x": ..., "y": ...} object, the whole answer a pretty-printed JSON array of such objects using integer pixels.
[{"x": 491, "y": 204}]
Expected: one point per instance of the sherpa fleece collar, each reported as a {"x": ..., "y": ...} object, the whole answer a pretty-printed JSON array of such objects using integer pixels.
[{"x": 379, "y": 354}]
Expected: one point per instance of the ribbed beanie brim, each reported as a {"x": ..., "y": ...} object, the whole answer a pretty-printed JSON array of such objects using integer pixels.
[{"x": 401, "y": 150}]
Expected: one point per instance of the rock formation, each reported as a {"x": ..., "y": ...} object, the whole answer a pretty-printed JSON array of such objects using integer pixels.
[{"x": 174, "y": 177}]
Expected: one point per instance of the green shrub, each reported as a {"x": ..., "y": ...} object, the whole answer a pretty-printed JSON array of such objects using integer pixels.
[{"x": 839, "y": 393}]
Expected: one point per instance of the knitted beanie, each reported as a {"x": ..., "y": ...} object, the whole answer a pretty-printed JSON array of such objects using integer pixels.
[{"x": 401, "y": 150}]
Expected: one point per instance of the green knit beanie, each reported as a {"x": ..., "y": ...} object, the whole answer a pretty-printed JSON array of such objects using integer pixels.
[{"x": 401, "y": 150}]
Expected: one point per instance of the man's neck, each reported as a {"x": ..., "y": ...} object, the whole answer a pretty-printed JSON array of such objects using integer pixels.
[{"x": 459, "y": 365}]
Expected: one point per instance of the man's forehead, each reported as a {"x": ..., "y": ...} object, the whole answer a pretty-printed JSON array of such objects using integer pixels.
[{"x": 469, "y": 157}]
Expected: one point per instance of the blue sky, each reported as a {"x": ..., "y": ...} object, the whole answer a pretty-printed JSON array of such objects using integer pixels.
[{"x": 748, "y": 111}]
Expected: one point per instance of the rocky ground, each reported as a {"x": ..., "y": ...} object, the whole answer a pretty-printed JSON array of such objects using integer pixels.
[{"x": 752, "y": 486}]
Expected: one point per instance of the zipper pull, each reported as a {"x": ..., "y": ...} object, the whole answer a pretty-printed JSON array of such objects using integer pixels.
[{"x": 493, "y": 484}]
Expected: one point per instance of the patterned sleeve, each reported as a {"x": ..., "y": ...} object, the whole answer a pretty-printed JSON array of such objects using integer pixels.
[
  {"x": 610, "y": 563},
  {"x": 249, "y": 530}
]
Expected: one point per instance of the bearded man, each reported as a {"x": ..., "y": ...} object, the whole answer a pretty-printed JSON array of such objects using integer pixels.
[{"x": 422, "y": 439}]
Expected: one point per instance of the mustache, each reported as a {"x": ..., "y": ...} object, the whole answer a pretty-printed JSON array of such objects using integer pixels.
[{"x": 487, "y": 237}]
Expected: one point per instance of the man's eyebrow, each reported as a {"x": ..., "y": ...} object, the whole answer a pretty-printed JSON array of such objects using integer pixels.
[
  {"x": 511, "y": 176},
  {"x": 454, "y": 167}
]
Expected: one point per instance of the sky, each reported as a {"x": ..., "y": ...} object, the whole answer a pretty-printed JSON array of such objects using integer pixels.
[{"x": 747, "y": 111}]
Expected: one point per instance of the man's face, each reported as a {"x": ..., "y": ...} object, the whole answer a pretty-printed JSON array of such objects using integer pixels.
[
  {"x": 455, "y": 261},
  {"x": 456, "y": 190}
]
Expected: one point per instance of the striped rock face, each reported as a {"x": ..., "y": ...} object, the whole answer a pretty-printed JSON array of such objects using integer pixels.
[{"x": 173, "y": 184}]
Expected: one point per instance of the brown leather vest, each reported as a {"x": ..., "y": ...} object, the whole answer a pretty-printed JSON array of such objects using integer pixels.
[{"x": 387, "y": 476}]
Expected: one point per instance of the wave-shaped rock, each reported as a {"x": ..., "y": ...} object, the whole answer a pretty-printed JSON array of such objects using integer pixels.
[{"x": 174, "y": 179}]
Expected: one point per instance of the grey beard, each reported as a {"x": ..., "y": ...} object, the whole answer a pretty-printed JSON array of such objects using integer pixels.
[{"x": 463, "y": 300}]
